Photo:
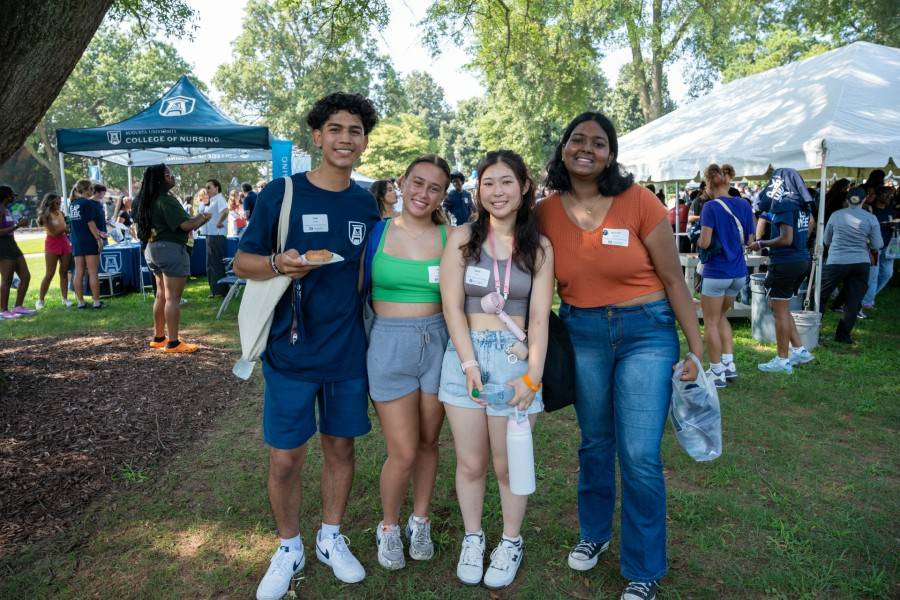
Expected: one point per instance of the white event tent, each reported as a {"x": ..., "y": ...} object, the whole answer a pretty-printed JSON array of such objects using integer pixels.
[{"x": 837, "y": 109}]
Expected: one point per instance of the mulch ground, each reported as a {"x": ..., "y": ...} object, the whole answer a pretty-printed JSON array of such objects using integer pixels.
[{"x": 78, "y": 413}]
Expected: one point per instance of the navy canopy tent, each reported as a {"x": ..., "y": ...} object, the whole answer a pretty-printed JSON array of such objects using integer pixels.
[{"x": 182, "y": 127}]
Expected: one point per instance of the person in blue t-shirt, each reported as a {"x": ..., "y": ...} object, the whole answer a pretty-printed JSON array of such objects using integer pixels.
[
  {"x": 87, "y": 240},
  {"x": 316, "y": 350},
  {"x": 724, "y": 270},
  {"x": 789, "y": 264},
  {"x": 458, "y": 201},
  {"x": 249, "y": 199}
]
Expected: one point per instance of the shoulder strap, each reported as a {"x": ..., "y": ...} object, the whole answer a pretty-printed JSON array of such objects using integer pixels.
[
  {"x": 284, "y": 219},
  {"x": 736, "y": 220},
  {"x": 443, "y": 235},
  {"x": 371, "y": 249}
]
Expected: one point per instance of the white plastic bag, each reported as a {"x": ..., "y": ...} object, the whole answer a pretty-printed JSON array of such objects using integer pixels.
[
  {"x": 892, "y": 251},
  {"x": 695, "y": 414},
  {"x": 260, "y": 299}
]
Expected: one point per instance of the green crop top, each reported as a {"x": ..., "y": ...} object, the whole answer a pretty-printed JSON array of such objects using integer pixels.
[{"x": 405, "y": 280}]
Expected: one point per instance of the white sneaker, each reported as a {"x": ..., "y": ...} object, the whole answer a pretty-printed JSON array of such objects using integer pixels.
[
  {"x": 286, "y": 562},
  {"x": 419, "y": 535},
  {"x": 718, "y": 379},
  {"x": 505, "y": 561},
  {"x": 470, "y": 568},
  {"x": 731, "y": 371},
  {"x": 390, "y": 547},
  {"x": 333, "y": 551},
  {"x": 800, "y": 357},
  {"x": 777, "y": 365},
  {"x": 39, "y": 305},
  {"x": 67, "y": 303}
]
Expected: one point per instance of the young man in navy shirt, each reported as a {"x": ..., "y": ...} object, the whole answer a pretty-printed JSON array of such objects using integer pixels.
[
  {"x": 316, "y": 351},
  {"x": 789, "y": 264}
]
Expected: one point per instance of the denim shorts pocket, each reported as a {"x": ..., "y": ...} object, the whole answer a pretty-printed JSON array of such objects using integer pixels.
[
  {"x": 565, "y": 310},
  {"x": 661, "y": 312}
]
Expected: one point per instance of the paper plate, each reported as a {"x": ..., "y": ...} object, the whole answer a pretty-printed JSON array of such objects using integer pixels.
[{"x": 335, "y": 257}]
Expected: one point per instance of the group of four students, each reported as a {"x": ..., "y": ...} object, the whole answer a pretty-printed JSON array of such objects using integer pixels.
[{"x": 602, "y": 238}]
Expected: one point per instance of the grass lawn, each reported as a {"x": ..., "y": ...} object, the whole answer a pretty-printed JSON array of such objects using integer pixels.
[
  {"x": 802, "y": 504},
  {"x": 31, "y": 246}
]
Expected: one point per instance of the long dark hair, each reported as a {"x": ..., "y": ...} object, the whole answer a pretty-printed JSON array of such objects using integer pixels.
[
  {"x": 612, "y": 181},
  {"x": 153, "y": 185},
  {"x": 379, "y": 190},
  {"x": 527, "y": 236},
  {"x": 437, "y": 215}
]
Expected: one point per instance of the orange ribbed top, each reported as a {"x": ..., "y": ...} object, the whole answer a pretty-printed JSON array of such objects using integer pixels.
[{"x": 591, "y": 273}]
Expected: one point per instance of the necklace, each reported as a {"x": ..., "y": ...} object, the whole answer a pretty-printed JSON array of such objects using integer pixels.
[{"x": 587, "y": 209}]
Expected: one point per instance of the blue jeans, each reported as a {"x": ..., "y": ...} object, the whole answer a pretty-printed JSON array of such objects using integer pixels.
[
  {"x": 623, "y": 370},
  {"x": 878, "y": 278}
]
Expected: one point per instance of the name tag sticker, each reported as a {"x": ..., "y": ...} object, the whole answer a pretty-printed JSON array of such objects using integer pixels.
[
  {"x": 434, "y": 274},
  {"x": 315, "y": 223},
  {"x": 477, "y": 276},
  {"x": 615, "y": 237}
]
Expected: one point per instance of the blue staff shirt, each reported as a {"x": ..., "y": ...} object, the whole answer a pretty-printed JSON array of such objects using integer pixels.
[
  {"x": 82, "y": 211},
  {"x": 249, "y": 203},
  {"x": 788, "y": 213},
  {"x": 729, "y": 263},
  {"x": 333, "y": 344}
]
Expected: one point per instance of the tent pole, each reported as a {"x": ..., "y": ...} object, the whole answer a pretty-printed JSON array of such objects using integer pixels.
[
  {"x": 130, "y": 180},
  {"x": 677, "y": 219},
  {"x": 820, "y": 227},
  {"x": 62, "y": 179}
]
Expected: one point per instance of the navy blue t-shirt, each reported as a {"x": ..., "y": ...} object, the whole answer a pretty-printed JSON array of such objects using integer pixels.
[
  {"x": 250, "y": 203},
  {"x": 81, "y": 211},
  {"x": 788, "y": 213},
  {"x": 729, "y": 263},
  {"x": 459, "y": 204},
  {"x": 333, "y": 343}
]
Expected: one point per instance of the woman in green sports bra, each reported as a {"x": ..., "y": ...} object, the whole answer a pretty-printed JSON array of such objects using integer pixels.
[{"x": 406, "y": 349}]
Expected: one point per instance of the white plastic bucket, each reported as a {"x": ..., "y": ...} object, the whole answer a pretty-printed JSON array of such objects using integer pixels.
[{"x": 808, "y": 322}]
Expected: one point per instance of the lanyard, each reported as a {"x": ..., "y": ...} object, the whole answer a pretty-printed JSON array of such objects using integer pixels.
[{"x": 505, "y": 292}]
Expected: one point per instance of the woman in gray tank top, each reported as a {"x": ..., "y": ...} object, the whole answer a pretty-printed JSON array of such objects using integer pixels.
[{"x": 501, "y": 256}]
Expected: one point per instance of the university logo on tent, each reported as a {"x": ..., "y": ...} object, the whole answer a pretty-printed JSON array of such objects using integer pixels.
[
  {"x": 357, "y": 232},
  {"x": 111, "y": 263},
  {"x": 177, "y": 106},
  {"x": 114, "y": 137}
]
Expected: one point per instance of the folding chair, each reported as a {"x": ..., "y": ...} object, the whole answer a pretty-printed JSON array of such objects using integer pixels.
[{"x": 235, "y": 284}]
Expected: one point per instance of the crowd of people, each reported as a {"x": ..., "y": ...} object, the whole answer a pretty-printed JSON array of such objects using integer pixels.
[{"x": 452, "y": 278}]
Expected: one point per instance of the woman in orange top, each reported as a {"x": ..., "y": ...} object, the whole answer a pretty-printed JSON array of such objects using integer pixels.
[{"x": 622, "y": 291}]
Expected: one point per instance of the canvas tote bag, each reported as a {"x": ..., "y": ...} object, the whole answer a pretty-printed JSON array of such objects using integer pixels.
[{"x": 260, "y": 298}]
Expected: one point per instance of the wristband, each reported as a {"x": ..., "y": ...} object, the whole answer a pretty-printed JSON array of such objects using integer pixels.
[
  {"x": 469, "y": 363},
  {"x": 534, "y": 387},
  {"x": 275, "y": 268}
]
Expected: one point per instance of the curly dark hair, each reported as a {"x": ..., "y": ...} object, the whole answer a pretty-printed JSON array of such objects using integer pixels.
[
  {"x": 612, "y": 181},
  {"x": 527, "y": 235},
  {"x": 153, "y": 185},
  {"x": 355, "y": 104}
]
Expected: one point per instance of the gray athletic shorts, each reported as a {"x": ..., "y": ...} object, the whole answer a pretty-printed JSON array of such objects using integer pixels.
[
  {"x": 716, "y": 288},
  {"x": 405, "y": 355},
  {"x": 168, "y": 258}
]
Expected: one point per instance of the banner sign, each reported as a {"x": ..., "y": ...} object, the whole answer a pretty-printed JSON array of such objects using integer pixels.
[{"x": 281, "y": 158}]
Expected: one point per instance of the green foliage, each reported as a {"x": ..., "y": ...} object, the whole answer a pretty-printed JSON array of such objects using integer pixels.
[
  {"x": 424, "y": 97},
  {"x": 114, "y": 79},
  {"x": 394, "y": 144},
  {"x": 623, "y": 105},
  {"x": 460, "y": 141},
  {"x": 538, "y": 60},
  {"x": 780, "y": 46},
  {"x": 292, "y": 52},
  {"x": 174, "y": 17}
]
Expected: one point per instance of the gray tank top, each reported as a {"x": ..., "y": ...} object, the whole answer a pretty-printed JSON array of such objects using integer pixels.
[{"x": 479, "y": 282}]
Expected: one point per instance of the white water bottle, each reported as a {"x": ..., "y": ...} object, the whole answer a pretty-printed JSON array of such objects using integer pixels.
[{"x": 520, "y": 455}]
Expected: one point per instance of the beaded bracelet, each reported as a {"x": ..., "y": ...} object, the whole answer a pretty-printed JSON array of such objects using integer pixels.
[{"x": 275, "y": 268}]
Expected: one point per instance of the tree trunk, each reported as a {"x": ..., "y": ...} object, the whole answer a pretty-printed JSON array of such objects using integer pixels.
[
  {"x": 640, "y": 75},
  {"x": 43, "y": 42}
]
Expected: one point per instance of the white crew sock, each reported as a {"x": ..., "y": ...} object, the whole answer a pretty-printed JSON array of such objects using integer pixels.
[
  {"x": 727, "y": 359},
  {"x": 330, "y": 530},
  {"x": 717, "y": 368},
  {"x": 293, "y": 543}
]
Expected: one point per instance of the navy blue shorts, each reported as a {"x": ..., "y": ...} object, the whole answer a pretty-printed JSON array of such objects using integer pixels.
[{"x": 289, "y": 409}]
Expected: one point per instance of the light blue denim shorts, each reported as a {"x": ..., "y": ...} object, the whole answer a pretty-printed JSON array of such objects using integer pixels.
[
  {"x": 404, "y": 355},
  {"x": 490, "y": 352}
]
